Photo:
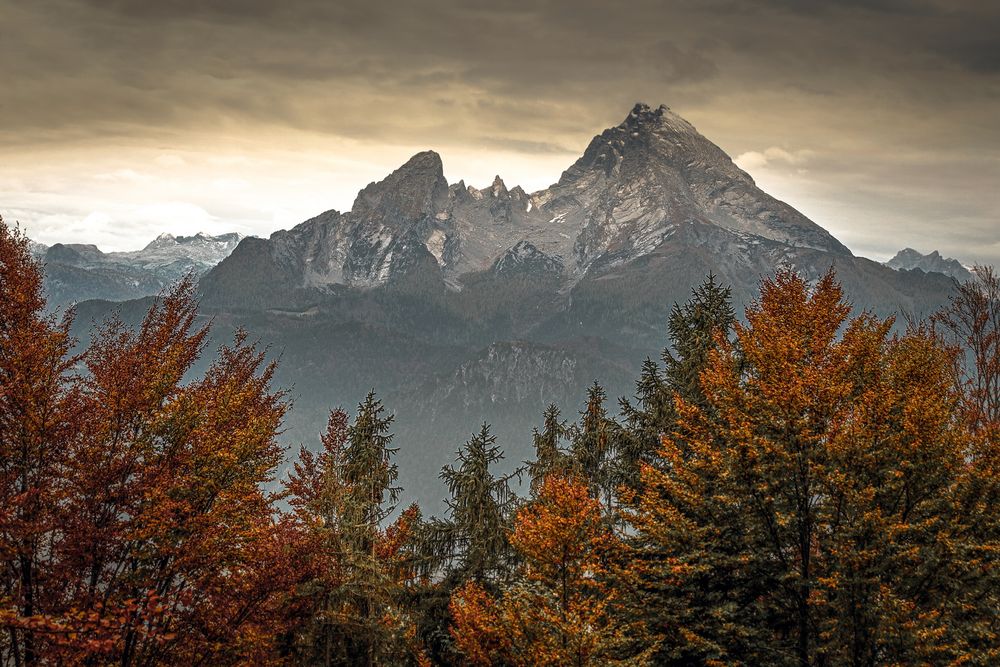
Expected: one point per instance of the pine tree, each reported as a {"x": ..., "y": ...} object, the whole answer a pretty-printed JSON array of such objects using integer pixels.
[
  {"x": 595, "y": 446},
  {"x": 372, "y": 625},
  {"x": 470, "y": 543},
  {"x": 694, "y": 330}
]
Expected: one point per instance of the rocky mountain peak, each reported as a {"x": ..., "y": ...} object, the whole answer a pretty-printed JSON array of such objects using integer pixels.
[
  {"x": 498, "y": 188},
  {"x": 634, "y": 188},
  {"x": 164, "y": 239},
  {"x": 908, "y": 259},
  {"x": 645, "y": 118},
  {"x": 650, "y": 140},
  {"x": 416, "y": 189}
]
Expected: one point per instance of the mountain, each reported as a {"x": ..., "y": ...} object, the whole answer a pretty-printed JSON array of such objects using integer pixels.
[
  {"x": 635, "y": 186},
  {"x": 462, "y": 305},
  {"x": 76, "y": 272},
  {"x": 908, "y": 259}
]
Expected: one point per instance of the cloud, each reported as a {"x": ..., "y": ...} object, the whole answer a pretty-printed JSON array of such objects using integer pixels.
[
  {"x": 125, "y": 176},
  {"x": 773, "y": 155},
  {"x": 162, "y": 101},
  {"x": 170, "y": 160}
]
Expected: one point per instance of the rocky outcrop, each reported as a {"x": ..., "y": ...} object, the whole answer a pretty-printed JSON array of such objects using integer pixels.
[{"x": 909, "y": 259}]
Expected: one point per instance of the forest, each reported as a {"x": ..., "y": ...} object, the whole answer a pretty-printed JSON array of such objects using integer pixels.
[{"x": 798, "y": 485}]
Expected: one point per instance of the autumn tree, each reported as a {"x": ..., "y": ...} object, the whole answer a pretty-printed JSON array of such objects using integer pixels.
[
  {"x": 138, "y": 529},
  {"x": 805, "y": 512},
  {"x": 559, "y": 612},
  {"x": 316, "y": 494},
  {"x": 168, "y": 506},
  {"x": 34, "y": 432},
  {"x": 971, "y": 323},
  {"x": 345, "y": 496}
]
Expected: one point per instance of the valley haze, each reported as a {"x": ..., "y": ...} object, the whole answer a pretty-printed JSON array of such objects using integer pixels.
[
  {"x": 561, "y": 332},
  {"x": 465, "y": 305}
]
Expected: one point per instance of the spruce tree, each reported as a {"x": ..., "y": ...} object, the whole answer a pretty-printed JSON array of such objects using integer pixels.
[
  {"x": 359, "y": 619},
  {"x": 549, "y": 456},
  {"x": 480, "y": 505},
  {"x": 470, "y": 544},
  {"x": 596, "y": 443},
  {"x": 692, "y": 330}
]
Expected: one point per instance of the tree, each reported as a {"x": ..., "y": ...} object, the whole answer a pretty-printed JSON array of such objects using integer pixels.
[
  {"x": 595, "y": 447},
  {"x": 343, "y": 497},
  {"x": 693, "y": 332},
  {"x": 806, "y": 512},
  {"x": 470, "y": 543},
  {"x": 34, "y": 430},
  {"x": 549, "y": 455},
  {"x": 474, "y": 534},
  {"x": 137, "y": 525},
  {"x": 315, "y": 494},
  {"x": 972, "y": 322},
  {"x": 560, "y": 610}
]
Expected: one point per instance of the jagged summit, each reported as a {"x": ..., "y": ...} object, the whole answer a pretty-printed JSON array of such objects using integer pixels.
[
  {"x": 410, "y": 191},
  {"x": 498, "y": 188},
  {"x": 909, "y": 259},
  {"x": 645, "y": 118},
  {"x": 635, "y": 187}
]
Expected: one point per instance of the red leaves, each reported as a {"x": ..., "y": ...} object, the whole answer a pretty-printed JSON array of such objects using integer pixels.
[{"x": 134, "y": 526}]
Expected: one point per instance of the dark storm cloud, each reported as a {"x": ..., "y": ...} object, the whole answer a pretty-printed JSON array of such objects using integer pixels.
[
  {"x": 856, "y": 82},
  {"x": 178, "y": 61}
]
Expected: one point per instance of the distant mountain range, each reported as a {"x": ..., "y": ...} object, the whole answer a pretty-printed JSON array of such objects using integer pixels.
[
  {"x": 77, "y": 272},
  {"x": 462, "y": 305},
  {"x": 908, "y": 259}
]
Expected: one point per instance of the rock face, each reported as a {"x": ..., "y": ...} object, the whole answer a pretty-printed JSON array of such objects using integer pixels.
[
  {"x": 462, "y": 305},
  {"x": 908, "y": 259},
  {"x": 635, "y": 185},
  {"x": 76, "y": 272}
]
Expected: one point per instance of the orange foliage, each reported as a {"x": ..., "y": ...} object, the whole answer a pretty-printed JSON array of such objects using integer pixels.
[
  {"x": 560, "y": 611},
  {"x": 135, "y": 528},
  {"x": 819, "y": 487}
]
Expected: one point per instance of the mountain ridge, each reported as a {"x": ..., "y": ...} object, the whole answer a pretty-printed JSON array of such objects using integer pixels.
[
  {"x": 457, "y": 302},
  {"x": 909, "y": 259},
  {"x": 635, "y": 184},
  {"x": 77, "y": 271}
]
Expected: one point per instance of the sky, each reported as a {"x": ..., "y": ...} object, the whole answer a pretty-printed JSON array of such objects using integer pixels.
[{"x": 122, "y": 119}]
